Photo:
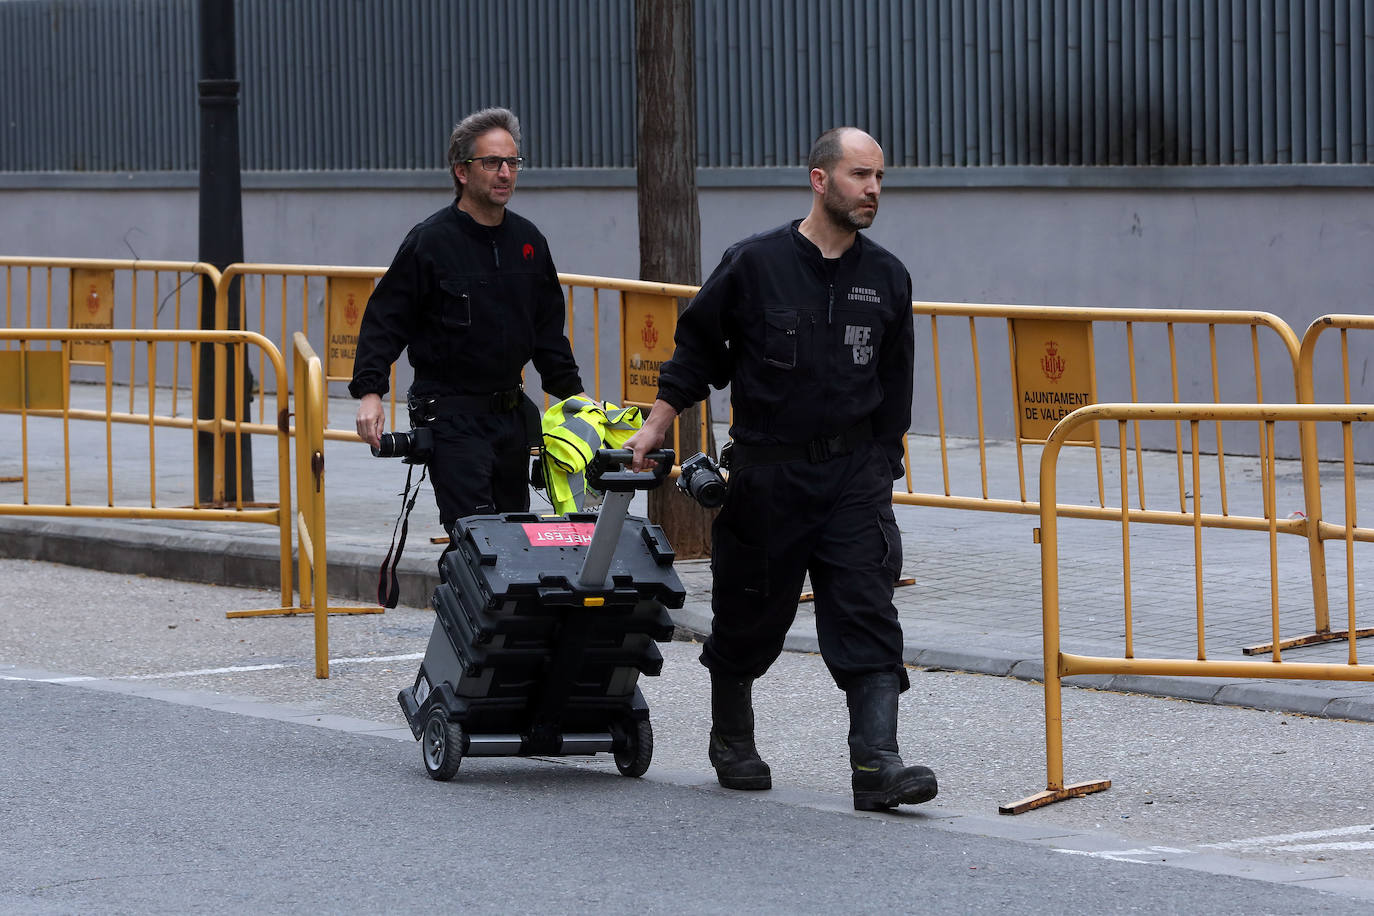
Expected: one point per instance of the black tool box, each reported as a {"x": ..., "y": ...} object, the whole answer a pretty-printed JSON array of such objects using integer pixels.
[{"x": 542, "y": 628}]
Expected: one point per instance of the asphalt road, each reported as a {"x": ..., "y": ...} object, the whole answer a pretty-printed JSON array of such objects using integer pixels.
[{"x": 202, "y": 768}]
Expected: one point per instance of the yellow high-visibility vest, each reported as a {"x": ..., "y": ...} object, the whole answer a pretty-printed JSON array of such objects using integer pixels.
[{"x": 573, "y": 429}]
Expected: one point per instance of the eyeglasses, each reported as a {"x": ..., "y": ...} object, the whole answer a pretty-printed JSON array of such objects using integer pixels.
[{"x": 493, "y": 163}]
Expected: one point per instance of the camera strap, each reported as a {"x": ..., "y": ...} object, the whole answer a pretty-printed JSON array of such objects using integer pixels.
[{"x": 388, "y": 586}]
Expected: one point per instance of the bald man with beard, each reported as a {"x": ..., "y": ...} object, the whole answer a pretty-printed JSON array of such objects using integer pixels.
[{"x": 810, "y": 324}]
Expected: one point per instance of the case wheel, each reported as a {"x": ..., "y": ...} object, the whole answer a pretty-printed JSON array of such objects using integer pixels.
[
  {"x": 633, "y": 759},
  {"x": 441, "y": 745}
]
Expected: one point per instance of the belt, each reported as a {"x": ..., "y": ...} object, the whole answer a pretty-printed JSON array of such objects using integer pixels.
[
  {"x": 496, "y": 402},
  {"x": 815, "y": 451}
]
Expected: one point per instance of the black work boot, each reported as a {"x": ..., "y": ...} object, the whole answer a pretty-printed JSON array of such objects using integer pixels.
[
  {"x": 732, "y": 751},
  {"x": 880, "y": 778}
]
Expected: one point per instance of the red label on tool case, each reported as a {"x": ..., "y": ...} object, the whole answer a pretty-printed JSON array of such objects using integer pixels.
[{"x": 559, "y": 534}]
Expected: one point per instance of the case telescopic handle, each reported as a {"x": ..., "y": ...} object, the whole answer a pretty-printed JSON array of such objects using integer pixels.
[{"x": 601, "y": 473}]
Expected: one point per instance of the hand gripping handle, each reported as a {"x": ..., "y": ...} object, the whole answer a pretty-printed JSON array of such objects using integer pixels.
[{"x": 601, "y": 473}]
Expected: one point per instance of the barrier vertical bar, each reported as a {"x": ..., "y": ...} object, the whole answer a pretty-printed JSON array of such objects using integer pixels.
[
  {"x": 1269, "y": 478},
  {"x": 596, "y": 351},
  {"x": 319, "y": 560},
  {"x": 1311, "y": 482},
  {"x": 1135, "y": 397},
  {"x": 1178, "y": 426},
  {"x": 1126, "y": 537},
  {"x": 1259, "y": 397},
  {"x": 262, "y": 323},
  {"x": 1197, "y": 540},
  {"x": 133, "y": 323},
  {"x": 221, "y": 383},
  {"x": 24, "y": 433},
  {"x": 1049, "y": 590},
  {"x": 66, "y": 433},
  {"x": 176, "y": 349},
  {"x": 1097, "y": 440},
  {"x": 978, "y": 403},
  {"x": 1020, "y": 458},
  {"x": 306, "y": 579},
  {"x": 152, "y": 426},
  {"x": 940, "y": 402},
  {"x": 109, "y": 425},
  {"x": 239, "y": 362},
  {"x": 1216, "y": 396},
  {"x": 287, "y": 518},
  {"x": 1348, "y": 442}
]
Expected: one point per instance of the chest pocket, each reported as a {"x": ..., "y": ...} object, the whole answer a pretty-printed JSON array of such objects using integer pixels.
[
  {"x": 455, "y": 303},
  {"x": 780, "y": 338}
]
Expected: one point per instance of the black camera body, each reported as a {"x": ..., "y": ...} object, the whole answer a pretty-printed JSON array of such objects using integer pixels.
[
  {"x": 701, "y": 479},
  {"x": 414, "y": 447}
]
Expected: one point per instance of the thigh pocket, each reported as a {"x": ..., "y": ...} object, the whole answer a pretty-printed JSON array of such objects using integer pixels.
[
  {"x": 737, "y": 567},
  {"x": 892, "y": 538}
]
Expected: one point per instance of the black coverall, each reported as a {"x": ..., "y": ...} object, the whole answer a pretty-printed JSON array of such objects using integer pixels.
[
  {"x": 472, "y": 304},
  {"x": 819, "y": 354}
]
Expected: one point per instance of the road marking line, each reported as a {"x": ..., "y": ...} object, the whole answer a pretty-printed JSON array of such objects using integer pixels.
[
  {"x": 368, "y": 659},
  {"x": 1127, "y": 855},
  {"x": 200, "y": 672},
  {"x": 1284, "y": 839}
]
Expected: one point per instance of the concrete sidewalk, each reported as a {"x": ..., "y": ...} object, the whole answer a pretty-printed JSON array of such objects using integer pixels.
[{"x": 975, "y": 605}]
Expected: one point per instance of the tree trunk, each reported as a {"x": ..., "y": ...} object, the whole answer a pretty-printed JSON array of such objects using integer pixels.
[{"x": 669, "y": 222}]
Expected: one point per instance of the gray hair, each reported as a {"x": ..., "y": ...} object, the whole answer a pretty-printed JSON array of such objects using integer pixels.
[
  {"x": 828, "y": 149},
  {"x": 466, "y": 132}
]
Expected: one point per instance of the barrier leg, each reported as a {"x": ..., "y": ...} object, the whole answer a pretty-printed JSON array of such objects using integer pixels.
[{"x": 1055, "y": 790}]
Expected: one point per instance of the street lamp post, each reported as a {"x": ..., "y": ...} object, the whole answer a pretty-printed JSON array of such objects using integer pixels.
[{"x": 221, "y": 242}]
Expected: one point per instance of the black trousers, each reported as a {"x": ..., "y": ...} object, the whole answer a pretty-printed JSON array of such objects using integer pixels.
[
  {"x": 481, "y": 465},
  {"x": 781, "y": 521}
]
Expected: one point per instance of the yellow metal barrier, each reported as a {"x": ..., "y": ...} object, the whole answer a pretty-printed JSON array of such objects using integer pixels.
[
  {"x": 310, "y": 528},
  {"x": 1202, "y": 378},
  {"x": 1059, "y": 664},
  {"x": 45, "y": 397},
  {"x": 103, "y": 294},
  {"x": 286, "y": 295},
  {"x": 1198, "y": 367}
]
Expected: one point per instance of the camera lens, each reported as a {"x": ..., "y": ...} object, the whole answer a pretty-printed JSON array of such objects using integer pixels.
[
  {"x": 701, "y": 480},
  {"x": 414, "y": 447},
  {"x": 709, "y": 491},
  {"x": 393, "y": 445}
]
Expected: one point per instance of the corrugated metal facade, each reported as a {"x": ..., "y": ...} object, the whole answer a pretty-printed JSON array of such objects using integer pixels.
[{"x": 109, "y": 85}]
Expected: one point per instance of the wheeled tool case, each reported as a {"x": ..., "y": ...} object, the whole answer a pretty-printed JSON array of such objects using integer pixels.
[{"x": 543, "y": 627}]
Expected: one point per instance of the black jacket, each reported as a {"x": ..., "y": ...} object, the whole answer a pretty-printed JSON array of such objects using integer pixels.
[
  {"x": 472, "y": 304},
  {"x": 810, "y": 346}
]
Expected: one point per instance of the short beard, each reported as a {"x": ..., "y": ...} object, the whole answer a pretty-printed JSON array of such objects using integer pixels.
[{"x": 850, "y": 220}]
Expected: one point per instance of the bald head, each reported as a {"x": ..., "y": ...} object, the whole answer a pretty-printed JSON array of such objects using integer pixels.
[{"x": 831, "y": 146}]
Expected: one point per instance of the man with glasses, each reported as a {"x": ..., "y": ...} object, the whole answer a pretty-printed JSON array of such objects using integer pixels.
[{"x": 473, "y": 295}]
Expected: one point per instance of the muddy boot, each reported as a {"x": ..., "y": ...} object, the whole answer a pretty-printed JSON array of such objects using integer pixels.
[
  {"x": 732, "y": 752},
  {"x": 880, "y": 779}
]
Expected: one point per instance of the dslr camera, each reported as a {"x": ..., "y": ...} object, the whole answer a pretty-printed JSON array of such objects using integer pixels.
[
  {"x": 701, "y": 479},
  {"x": 414, "y": 447}
]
